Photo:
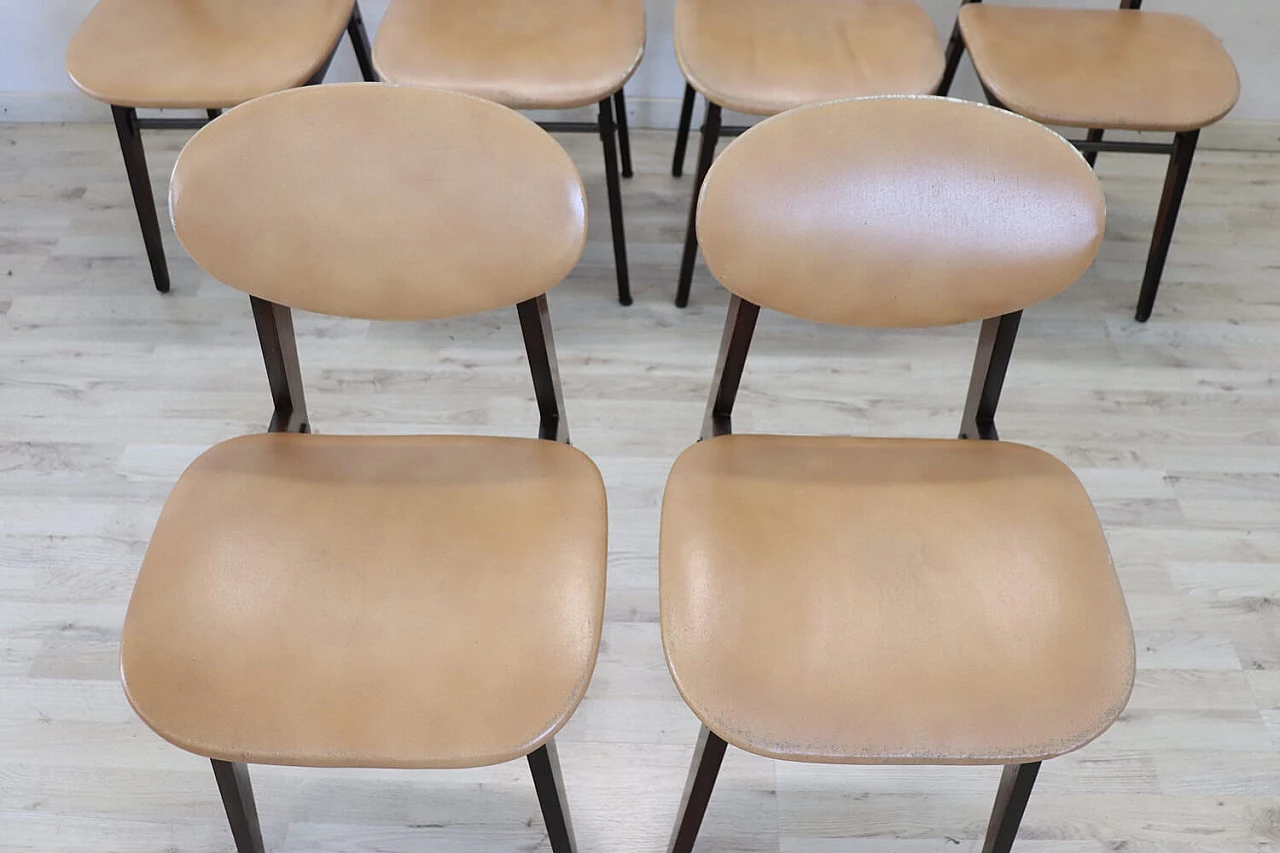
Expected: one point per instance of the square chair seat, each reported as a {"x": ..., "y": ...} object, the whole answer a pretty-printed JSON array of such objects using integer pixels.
[
  {"x": 1107, "y": 68},
  {"x": 201, "y": 53},
  {"x": 524, "y": 54},
  {"x": 881, "y": 601},
  {"x": 402, "y": 601},
  {"x": 764, "y": 57}
]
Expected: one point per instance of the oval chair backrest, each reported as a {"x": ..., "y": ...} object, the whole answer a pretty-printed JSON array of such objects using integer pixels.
[
  {"x": 899, "y": 212},
  {"x": 379, "y": 202}
]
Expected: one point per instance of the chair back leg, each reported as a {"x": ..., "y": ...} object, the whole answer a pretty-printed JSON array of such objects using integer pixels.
[
  {"x": 707, "y": 756},
  {"x": 1094, "y": 135},
  {"x": 955, "y": 50},
  {"x": 624, "y": 134},
  {"x": 360, "y": 44},
  {"x": 607, "y": 137},
  {"x": 544, "y": 764},
  {"x": 682, "y": 132},
  {"x": 237, "y": 799},
  {"x": 707, "y": 153},
  {"x": 1011, "y": 803},
  {"x": 1175, "y": 183},
  {"x": 135, "y": 166}
]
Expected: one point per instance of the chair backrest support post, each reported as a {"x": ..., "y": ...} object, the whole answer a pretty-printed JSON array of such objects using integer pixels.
[
  {"x": 739, "y": 326},
  {"x": 280, "y": 355},
  {"x": 535, "y": 325},
  {"x": 990, "y": 364}
]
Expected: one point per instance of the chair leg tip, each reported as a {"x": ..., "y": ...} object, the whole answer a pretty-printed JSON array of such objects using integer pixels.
[
  {"x": 624, "y": 300},
  {"x": 1142, "y": 316},
  {"x": 682, "y": 303},
  {"x": 627, "y": 173}
]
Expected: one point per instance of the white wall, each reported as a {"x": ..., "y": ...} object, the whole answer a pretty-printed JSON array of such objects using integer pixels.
[{"x": 34, "y": 35}]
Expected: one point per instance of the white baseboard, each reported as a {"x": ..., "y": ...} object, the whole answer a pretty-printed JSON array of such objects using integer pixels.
[{"x": 652, "y": 113}]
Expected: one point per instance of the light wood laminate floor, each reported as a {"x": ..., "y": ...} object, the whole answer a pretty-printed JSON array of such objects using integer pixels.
[{"x": 108, "y": 389}]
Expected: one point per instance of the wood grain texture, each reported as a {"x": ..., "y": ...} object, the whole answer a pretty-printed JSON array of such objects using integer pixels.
[{"x": 107, "y": 391}]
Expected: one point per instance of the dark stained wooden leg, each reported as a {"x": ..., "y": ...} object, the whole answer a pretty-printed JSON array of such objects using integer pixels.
[
  {"x": 135, "y": 166},
  {"x": 682, "y": 132},
  {"x": 991, "y": 97},
  {"x": 360, "y": 43},
  {"x": 535, "y": 324},
  {"x": 1011, "y": 803},
  {"x": 707, "y": 756},
  {"x": 318, "y": 77},
  {"x": 607, "y": 137},
  {"x": 995, "y": 348},
  {"x": 237, "y": 799},
  {"x": 707, "y": 153},
  {"x": 544, "y": 764},
  {"x": 1175, "y": 183},
  {"x": 955, "y": 50},
  {"x": 1094, "y": 135},
  {"x": 284, "y": 373},
  {"x": 739, "y": 326},
  {"x": 213, "y": 113},
  {"x": 624, "y": 135}
]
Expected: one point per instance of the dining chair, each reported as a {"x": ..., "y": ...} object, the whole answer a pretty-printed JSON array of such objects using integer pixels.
[
  {"x": 528, "y": 55},
  {"x": 1120, "y": 69},
  {"x": 847, "y": 600},
  {"x": 421, "y": 601},
  {"x": 199, "y": 54},
  {"x": 763, "y": 57}
]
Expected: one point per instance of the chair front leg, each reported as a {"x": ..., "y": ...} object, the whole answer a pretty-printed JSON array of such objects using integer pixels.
[
  {"x": 544, "y": 764},
  {"x": 360, "y": 44},
  {"x": 707, "y": 153},
  {"x": 608, "y": 139},
  {"x": 1011, "y": 803},
  {"x": 237, "y": 799},
  {"x": 955, "y": 50},
  {"x": 135, "y": 166},
  {"x": 624, "y": 135},
  {"x": 682, "y": 132},
  {"x": 1175, "y": 183},
  {"x": 704, "y": 769}
]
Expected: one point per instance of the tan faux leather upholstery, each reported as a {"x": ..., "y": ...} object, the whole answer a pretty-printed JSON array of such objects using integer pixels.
[
  {"x": 1105, "y": 68},
  {"x": 201, "y": 53},
  {"x": 526, "y": 54},
  {"x": 899, "y": 212},
  {"x": 766, "y": 56},
  {"x": 397, "y": 601},
  {"x": 380, "y": 201},
  {"x": 882, "y": 601}
]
